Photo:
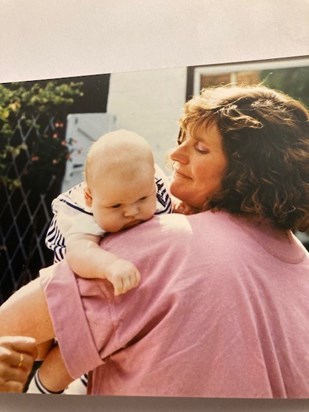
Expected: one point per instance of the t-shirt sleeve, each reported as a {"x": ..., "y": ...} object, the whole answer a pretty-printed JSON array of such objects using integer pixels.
[
  {"x": 72, "y": 221},
  {"x": 72, "y": 216},
  {"x": 71, "y": 326}
]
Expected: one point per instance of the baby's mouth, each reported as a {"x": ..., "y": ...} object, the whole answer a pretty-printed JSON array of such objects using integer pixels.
[{"x": 132, "y": 224}]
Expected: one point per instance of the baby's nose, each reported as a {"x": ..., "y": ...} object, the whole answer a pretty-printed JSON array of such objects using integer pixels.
[{"x": 131, "y": 210}]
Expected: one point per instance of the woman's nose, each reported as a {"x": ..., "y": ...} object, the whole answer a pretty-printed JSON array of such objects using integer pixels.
[
  {"x": 179, "y": 154},
  {"x": 131, "y": 210}
]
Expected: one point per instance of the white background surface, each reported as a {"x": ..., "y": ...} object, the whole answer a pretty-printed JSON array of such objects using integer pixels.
[{"x": 62, "y": 38}]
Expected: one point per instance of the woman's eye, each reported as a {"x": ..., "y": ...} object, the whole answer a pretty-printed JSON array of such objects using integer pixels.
[
  {"x": 180, "y": 137},
  {"x": 201, "y": 148}
]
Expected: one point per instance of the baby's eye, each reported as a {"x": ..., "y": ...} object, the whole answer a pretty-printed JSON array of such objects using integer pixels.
[
  {"x": 143, "y": 198},
  {"x": 116, "y": 206},
  {"x": 201, "y": 148}
]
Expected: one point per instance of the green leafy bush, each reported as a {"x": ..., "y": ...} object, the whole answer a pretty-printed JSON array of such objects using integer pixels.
[
  {"x": 293, "y": 80},
  {"x": 32, "y": 117}
]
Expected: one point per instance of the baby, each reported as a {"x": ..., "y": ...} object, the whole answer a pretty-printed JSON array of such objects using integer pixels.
[{"x": 122, "y": 189}]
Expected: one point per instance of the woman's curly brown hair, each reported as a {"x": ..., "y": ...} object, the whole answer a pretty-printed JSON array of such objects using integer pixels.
[{"x": 265, "y": 136}]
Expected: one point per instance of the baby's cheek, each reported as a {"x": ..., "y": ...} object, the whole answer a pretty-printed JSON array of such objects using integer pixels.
[
  {"x": 106, "y": 222},
  {"x": 151, "y": 211}
]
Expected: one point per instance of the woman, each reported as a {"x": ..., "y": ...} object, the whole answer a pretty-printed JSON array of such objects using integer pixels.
[
  {"x": 222, "y": 309},
  {"x": 264, "y": 137}
]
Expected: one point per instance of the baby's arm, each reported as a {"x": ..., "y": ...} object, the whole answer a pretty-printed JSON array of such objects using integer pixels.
[{"x": 88, "y": 260}]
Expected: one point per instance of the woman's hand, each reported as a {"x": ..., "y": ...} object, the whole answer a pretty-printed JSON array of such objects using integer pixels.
[{"x": 17, "y": 354}]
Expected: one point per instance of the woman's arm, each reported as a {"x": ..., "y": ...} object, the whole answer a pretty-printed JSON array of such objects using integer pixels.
[{"x": 25, "y": 313}]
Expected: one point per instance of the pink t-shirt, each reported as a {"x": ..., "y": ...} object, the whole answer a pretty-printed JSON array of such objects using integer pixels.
[{"x": 222, "y": 311}]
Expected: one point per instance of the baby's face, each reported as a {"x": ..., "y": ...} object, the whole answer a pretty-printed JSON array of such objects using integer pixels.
[{"x": 120, "y": 204}]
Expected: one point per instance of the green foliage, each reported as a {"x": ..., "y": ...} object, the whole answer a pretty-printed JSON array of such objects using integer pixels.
[
  {"x": 31, "y": 128},
  {"x": 293, "y": 81}
]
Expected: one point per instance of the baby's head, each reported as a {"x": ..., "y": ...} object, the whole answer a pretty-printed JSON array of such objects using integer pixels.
[{"x": 120, "y": 183}]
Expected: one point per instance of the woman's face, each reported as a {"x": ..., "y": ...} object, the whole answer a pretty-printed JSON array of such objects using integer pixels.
[{"x": 199, "y": 165}]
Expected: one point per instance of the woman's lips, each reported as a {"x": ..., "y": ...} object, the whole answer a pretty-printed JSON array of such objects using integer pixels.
[{"x": 180, "y": 174}]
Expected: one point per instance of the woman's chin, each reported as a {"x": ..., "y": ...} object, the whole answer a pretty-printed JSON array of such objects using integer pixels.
[{"x": 178, "y": 194}]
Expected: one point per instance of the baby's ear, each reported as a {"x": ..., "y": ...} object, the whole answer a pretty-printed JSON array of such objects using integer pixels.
[{"x": 87, "y": 196}]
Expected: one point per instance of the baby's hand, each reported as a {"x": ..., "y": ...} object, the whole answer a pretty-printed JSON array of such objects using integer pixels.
[{"x": 123, "y": 275}]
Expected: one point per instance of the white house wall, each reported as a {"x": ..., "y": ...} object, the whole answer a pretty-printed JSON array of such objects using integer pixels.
[{"x": 149, "y": 103}]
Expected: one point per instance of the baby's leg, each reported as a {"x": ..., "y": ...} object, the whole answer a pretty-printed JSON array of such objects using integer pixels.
[
  {"x": 52, "y": 377},
  {"x": 44, "y": 348}
]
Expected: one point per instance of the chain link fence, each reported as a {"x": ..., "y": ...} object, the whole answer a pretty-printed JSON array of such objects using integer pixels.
[{"x": 25, "y": 210}]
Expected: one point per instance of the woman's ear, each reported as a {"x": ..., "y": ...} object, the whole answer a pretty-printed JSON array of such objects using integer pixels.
[{"x": 87, "y": 196}]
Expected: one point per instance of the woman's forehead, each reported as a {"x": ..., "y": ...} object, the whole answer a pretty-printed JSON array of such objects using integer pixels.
[{"x": 203, "y": 131}]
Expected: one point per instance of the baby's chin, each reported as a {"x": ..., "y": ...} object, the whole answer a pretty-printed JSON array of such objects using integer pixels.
[{"x": 134, "y": 223}]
